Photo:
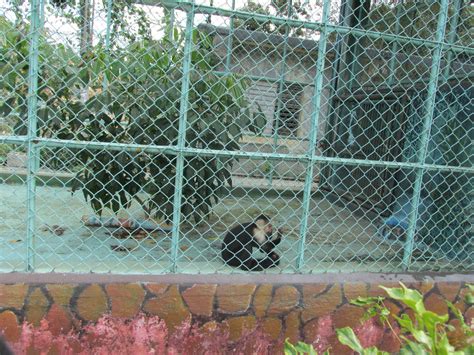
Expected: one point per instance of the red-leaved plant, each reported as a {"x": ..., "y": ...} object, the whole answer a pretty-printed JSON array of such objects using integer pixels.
[{"x": 140, "y": 335}]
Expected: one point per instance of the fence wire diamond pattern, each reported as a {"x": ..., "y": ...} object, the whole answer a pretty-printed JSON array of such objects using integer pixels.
[{"x": 134, "y": 135}]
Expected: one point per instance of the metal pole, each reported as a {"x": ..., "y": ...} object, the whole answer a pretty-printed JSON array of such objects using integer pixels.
[
  {"x": 356, "y": 45},
  {"x": 107, "y": 43},
  {"x": 315, "y": 112},
  {"x": 458, "y": 8},
  {"x": 171, "y": 24},
  {"x": 425, "y": 134},
  {"x": 181, "y": 140},
  {"x": 229, "y": 42},
  {"x": 203, "y": 152},
  {"x": 228, "y": 59},
  {"x": 327, "y": 172},
  {"x": 33, "y": 152},
  {"x": 276, "y": 116},
  {"x": 392, "y": 73}
]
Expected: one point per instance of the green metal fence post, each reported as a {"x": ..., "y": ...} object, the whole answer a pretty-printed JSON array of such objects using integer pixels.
[
  {"x": 228, "y": 60},
  {"x": 181, "y": 138},
  {"x": 33, "y": 152},
  {"x": 169, "y": 11},
  {"x": 315, "y": 112},
  {"x": 458, "y": 8},
  {"x": 394, "y": 49},
  {"x": 107, "y": 42},
  {"x": 281, "y": 83},
  {"x": 359, "y": 15},
  {"x": 229, "y": 44},
  {"x": 425, "y": 133},
  {"x": 337, "y": 82}
]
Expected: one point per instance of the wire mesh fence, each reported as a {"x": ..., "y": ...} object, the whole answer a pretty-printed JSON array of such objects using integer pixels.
[{"x": 135, "y": 135}]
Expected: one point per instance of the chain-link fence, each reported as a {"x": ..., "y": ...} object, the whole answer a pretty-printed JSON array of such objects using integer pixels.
[{"x": 135, "y": 134}]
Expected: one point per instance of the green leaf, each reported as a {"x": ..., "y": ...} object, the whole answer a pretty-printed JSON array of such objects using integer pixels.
[
  {"x": 373, "y": 351},
  {"x": 195, "y": 36},
  {"x": 289, "y": 348},
  {"x": 469, "y": 350},
  {"x": 299, "y": 348},
  {"x": 175, "y": 34},
  {"x": 431, "y": 319},
  {"x": 305, "y": 348},
  {"x": 469, "y": 299},
  {"x": 347, "y": 337},
  {"x": 366, "y": 301},
  {"x": 423, "y": 337},
  {"x": 443, "y": 347},
  {"x": 412, "y": 298},
  {"x": 405, "y": 322},
  {"x": 411, "y": 348}
]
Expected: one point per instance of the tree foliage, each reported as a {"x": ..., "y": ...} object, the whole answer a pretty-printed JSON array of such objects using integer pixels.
[
  {"x": 298, "y": 10},
  {"x": 419, "y": 19},
  {"x": 135, "y": 97},
  {"x": 128, "y": 22}
]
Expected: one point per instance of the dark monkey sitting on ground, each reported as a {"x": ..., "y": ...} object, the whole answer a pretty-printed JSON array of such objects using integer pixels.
[{"x": 240, "y": 241}]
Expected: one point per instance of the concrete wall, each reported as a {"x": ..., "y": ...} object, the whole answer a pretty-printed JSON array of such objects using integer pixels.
[{"x": 260, "y": 55}]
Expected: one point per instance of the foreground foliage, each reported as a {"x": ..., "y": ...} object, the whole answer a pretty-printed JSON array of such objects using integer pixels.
[
  {"x": 140, "y": 335},
  {"x": 425, "y": 332}
]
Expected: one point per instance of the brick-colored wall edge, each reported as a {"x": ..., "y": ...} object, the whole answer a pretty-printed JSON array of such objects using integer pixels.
[{"x": 294, "y": 306}]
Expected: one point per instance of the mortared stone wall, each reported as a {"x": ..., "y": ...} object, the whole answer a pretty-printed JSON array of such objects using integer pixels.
[{"x": 299, "y": 307}]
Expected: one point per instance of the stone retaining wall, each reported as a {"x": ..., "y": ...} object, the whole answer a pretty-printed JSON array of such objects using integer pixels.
[{"x": 293, "y": 306}]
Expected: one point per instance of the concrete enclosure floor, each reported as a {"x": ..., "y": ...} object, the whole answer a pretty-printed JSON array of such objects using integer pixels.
[{"x": 337, "y": 240}]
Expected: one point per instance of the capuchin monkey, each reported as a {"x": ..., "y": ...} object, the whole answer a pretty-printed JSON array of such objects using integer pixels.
[{"x": 241, "y": 239}]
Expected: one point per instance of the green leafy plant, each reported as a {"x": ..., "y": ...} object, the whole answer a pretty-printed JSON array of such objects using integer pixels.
[
  {"x": 347, "y": 337},
  {"x": 425, "y": 333},
  {"x": 299, "y": 348},
  {"x": 134, "y": 96}
]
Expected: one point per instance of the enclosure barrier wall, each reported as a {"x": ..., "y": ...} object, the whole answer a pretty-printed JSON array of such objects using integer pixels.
[{"x": 300, "y": 307}]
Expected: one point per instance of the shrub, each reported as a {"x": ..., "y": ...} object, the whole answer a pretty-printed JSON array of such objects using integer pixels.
[
  {"x": 424, "y": 333},
  {"x": 140, "y": 335},
  {"x": 133, "y": 95}
]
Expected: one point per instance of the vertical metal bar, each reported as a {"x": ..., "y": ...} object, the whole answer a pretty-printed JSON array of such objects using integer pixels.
[
  {"x": 228, "y": 59},
  {"x": 425, "y": 134},
  {"x": 85, "y": 25},
  {"x": 458, "y": 7},
  {"x": 357, "y": 45},
  {"x": 17, "y": 11},
  {"x": 230, "y": 40},
  {"x": 315, "y": 112},
  {"x": 281, "y": 82},
  {"x": 209, "y": 16},
  {"x": 391, "y": 65},
  {"x": 181, "y": 139},
  {"x": 33, "y": 156},
  {"x": 337, "y": 66},
  {"x": 107, "y": 42},
  {"x": 172, "y": 19}
]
